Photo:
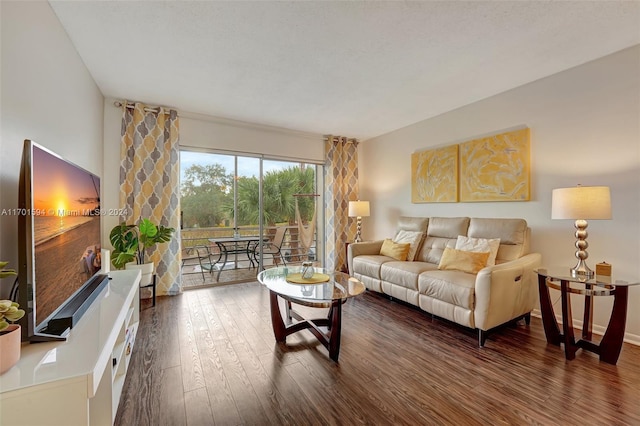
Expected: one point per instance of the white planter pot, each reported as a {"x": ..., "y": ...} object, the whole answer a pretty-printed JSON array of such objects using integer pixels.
[{"x": 146, "y": 269}]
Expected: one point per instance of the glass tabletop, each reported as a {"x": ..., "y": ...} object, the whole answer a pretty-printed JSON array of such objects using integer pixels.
[
  {"x": 238, "y": 239},
  {"x": 564, "y": 274},
  {"x": 339, "y": 285}
]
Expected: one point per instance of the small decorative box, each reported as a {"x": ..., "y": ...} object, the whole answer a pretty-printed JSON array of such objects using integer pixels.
[{"x": 603, "y": 269}]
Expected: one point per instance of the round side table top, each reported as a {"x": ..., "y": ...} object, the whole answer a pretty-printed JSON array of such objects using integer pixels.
[{"x": 564, "y": 273}]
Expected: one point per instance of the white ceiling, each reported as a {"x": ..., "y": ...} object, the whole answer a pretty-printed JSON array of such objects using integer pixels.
[{"x": 353, "y": 68}]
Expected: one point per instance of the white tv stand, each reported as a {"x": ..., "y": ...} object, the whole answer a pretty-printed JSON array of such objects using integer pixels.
[{"x": 77, "y": 381}]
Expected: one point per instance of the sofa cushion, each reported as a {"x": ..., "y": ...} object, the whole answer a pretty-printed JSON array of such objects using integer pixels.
[
  {"x": 480, "y": 245},
  {"x": 404, "y": 274},
  {"x": 394, "y": 250},
  {"x": 448, "y": 227},
  {"x": 442, "y": 232},
  {"x": 513, "y": 234},
  {"x": 369, "y": 264},
  {"x": 414, "y": 238},
  {"x": 454, "y": 287},
  {"x": 510, "y": 231},
  {"x": 418, "y": 224},
  {"x": 433, "y": 247},
  {"x": 460, "y": 260}
]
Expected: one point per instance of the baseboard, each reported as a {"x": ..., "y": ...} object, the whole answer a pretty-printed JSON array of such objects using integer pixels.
[{"x": 632, "y": 339}]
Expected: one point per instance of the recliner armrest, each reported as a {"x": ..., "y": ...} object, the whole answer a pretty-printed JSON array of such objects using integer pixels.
[
  {"x": 362, "y": 248},
  {"x": 505, "y": 291}
]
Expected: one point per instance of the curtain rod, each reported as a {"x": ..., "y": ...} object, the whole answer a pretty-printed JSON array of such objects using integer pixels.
[
  {"x": 131, "y": 105},
  {"x": 348, "y": 140}
]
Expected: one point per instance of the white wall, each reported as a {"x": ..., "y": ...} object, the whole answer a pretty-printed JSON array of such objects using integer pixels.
[
  {"x": 585, "y": 129},
  {"x": 200, "y": 131},
  {"x": 47, "y": 95},
  {"x": 205, "y": 132}
]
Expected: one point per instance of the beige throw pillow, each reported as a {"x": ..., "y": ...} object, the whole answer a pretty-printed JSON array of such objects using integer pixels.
[
  {"x": 466, "y": 261},
  {"x": 395, "y": 250},
  {"x": 413, "y": 238},
  {"x": 480, "y": 245}
]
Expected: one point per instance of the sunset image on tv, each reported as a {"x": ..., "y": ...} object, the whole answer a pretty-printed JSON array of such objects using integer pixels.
[{"x": 66, "y": 217}]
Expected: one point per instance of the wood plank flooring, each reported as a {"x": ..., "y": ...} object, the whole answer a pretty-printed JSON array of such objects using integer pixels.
[{"x": 208, "y": 357}]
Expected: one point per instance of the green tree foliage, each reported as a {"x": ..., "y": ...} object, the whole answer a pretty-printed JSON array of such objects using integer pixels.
[
  {"x": 207, "y": 196},
  {"x": 204, "y": 191},
  {"x": 279, "y": 188},
  {"x": 248, "y": 189},
  {"x": 303, "y": 181}
]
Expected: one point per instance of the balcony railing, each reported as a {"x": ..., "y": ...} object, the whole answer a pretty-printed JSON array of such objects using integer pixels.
[
  {"x": 292, "y": 246},
  {"x": 291, "y": 249}
]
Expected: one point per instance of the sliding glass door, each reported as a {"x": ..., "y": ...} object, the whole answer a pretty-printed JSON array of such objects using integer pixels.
[
  {"x": 241, "y": 213},
  {"x": 292, "y": 205}
]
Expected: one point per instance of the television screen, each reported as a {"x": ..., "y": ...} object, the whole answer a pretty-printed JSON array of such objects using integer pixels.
[{"x": 65, "y": 230}]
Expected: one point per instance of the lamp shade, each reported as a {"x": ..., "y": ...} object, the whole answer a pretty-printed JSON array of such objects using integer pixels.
[
  {"x": 358, "y": 208},
  {"x": 581, "y": 202}
]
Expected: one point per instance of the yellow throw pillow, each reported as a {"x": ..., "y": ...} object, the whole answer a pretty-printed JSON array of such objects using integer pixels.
[
  {"x": 480, "y": 245},
  {"x": 465, "y": 261},
  {"x": 395, "y": 250}
]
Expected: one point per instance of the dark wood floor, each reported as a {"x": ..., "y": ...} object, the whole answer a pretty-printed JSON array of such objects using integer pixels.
[{"x": 209, "y": 357}]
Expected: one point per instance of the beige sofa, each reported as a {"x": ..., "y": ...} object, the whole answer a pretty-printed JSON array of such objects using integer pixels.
[{"x": 493, "y": 296}]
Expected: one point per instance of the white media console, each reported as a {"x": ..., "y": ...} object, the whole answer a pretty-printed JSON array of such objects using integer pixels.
[{"x": 77, "y": 381}]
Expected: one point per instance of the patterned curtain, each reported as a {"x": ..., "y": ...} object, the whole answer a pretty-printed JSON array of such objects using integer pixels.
[
  {"x": 149, "y": 179},
  {"x": 341, "y": 186}
]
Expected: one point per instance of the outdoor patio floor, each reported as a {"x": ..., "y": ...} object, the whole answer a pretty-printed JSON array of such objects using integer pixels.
[{"x": 193, "y": 278}]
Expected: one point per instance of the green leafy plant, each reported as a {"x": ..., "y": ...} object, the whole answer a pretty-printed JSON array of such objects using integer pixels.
[
  {"x": 9, "y": 311},
  {"x": 6, "y": 272},
  {"x": 131, "y": 242}
]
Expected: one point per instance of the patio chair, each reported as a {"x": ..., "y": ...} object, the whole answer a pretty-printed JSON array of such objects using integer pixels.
[
  {"x": 189, "y": 259},
  {"x": 272, "y": 248},
  {"x": 206, "y": 259}
]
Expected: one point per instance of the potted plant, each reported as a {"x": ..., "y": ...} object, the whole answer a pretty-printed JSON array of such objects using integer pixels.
[
  {"x": 131, "y": 243},
  {"x": 10, "y": 334}
]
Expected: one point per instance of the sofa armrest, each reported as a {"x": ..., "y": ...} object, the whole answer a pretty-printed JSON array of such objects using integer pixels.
[
  {"x": 506, "y": 291},
  {"x": 362, "y": 248}
]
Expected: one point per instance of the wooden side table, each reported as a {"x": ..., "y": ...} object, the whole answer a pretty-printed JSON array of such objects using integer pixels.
[{"x": 561, "y": 279}]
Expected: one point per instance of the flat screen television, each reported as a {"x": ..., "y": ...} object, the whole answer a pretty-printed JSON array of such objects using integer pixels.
[{"x": 59, "y": 226}]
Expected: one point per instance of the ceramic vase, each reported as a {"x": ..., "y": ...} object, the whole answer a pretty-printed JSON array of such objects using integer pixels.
[{"x": 9, "y": 347}]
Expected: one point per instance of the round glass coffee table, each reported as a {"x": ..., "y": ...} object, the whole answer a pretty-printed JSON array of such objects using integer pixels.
[{"x": 331, "y": 292}]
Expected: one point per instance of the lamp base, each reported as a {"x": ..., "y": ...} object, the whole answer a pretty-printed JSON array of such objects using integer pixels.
[
  {"x": 358, "y": 229},
  {"x": 581, "y": 270}
]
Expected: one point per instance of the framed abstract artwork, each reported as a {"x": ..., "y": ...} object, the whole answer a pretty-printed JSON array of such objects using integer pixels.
[
  {"x": 434, "y": 175},
  {"x": 496, "y": 168}
]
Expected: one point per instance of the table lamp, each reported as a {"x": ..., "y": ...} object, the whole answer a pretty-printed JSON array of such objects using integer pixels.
[
  {"x": 581, "y": 203},
  {"x": 358, "y": 209}
]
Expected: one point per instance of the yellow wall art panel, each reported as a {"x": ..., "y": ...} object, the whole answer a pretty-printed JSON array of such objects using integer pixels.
[
  {"x": 434, "y": 175},
  {"x": 496, "y": 168}
]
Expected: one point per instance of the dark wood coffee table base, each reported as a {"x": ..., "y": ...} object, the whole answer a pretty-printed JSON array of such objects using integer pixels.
[{"x": 333, "y": 322}]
